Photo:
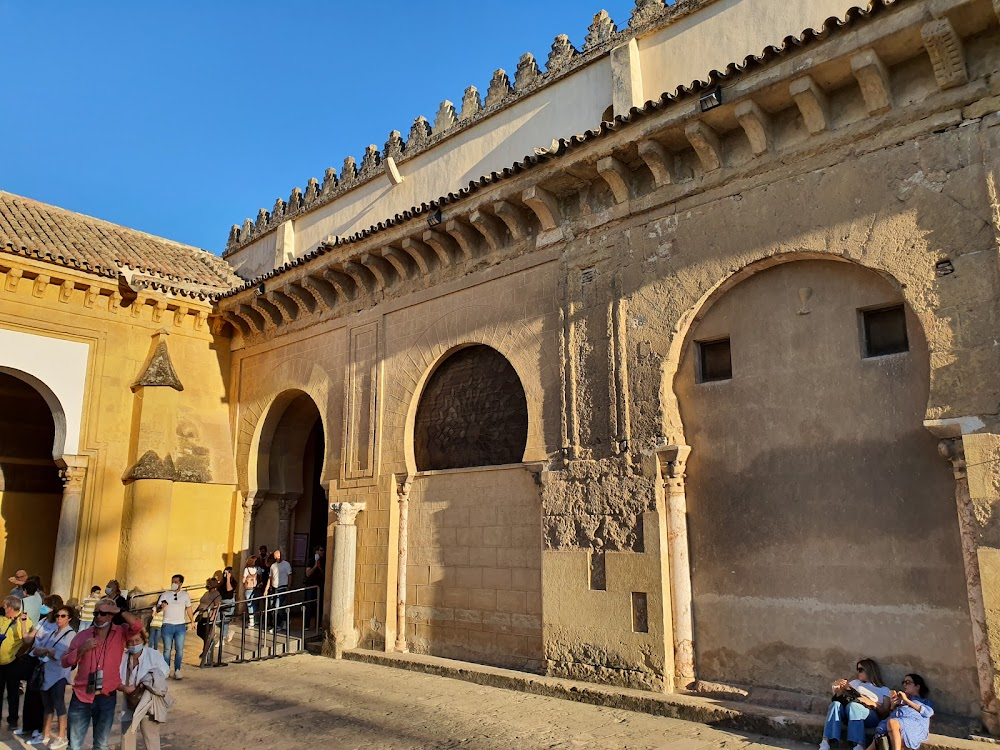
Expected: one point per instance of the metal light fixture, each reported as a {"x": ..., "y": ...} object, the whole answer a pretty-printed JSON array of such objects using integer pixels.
[
  {"x": 434, "y": 219},
  {"x": 259, "y": 290},
  {"x": 710, "y": 100}
]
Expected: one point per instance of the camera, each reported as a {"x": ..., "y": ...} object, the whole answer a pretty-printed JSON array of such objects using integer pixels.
[{"x": 95, "y": 681}]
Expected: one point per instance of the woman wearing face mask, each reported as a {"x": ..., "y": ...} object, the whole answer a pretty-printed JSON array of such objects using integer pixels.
[
  {"x": 144, "y": 685},
  {"x": 33, "y": 715},
  {"x": 50, "y": 647},
  {"x": 227, "y": 590},
  {"x": 114, "y": 591}
]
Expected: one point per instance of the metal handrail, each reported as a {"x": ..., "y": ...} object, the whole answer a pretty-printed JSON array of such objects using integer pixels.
[
  {"x": 158, "y": 594},
  {"x": 267, "y": 620}
]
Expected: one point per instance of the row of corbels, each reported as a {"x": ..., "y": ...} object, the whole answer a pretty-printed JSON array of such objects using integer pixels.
[{"x": 528, "y": 77}]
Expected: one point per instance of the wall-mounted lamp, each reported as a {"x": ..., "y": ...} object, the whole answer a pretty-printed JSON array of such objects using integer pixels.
[
  {"x": 258, "y": 291},
  {"x": 710, "y": 100},
  {"x": 434, "y": 219}
]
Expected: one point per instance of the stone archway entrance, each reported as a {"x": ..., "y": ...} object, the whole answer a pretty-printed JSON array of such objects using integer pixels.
[
  {"x": 822, "y": 522},
  {"x": 290, "y": 509},
  {"x": 30, "y": 487}
]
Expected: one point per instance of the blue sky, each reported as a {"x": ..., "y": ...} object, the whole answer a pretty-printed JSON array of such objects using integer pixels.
[{"x": 182, "y": 118}]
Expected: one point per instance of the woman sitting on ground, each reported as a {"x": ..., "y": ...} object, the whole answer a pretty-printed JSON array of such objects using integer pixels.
[
  {"x": 861, "y": 702},
  {"x": 909, "y": 722}
]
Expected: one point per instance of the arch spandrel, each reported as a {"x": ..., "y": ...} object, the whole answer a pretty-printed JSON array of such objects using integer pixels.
[
  {"x": 408, "y": 369},
  {"x": 261, "y": 414}
]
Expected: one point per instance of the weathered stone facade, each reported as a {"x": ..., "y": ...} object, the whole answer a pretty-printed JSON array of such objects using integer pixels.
[{"x": 725, "y": 469}]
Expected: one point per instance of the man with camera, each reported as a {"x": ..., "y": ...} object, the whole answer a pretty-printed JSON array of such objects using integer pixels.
[{"x": 97, "y": 653}]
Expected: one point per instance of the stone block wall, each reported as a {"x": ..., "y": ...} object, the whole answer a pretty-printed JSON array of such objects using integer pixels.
[{"x": 474, "y": 572}]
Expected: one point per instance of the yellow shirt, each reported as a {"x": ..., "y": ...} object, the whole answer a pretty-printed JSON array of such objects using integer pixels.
[
  {"x": 157, "y": 620},
  {"x": 12, "y": 642},
  {"x": 87, "y": 611}
]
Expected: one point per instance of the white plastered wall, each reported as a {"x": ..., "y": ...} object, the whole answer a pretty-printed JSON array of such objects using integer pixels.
[
  {"x": 725, "y": 31},
  {"x": 56, "y": 365}
]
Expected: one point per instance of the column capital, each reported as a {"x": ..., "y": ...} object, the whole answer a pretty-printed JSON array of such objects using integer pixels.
[
  {"x": 953, "y": 449},
  {"x": 673, "y": 461},
  {"x": 403, "y": 486},
  {"x": 346, "y": 513},
  {"x": 287, "y": 503},
  {"x": 72, "y": 478}
]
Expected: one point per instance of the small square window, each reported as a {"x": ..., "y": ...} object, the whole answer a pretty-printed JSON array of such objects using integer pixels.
[
  {"x": 885, "y": 331},
  {"x": 714, "y": 361}
]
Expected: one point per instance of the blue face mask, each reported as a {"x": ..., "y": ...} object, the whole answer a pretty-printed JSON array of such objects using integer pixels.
[
  {"x": 135, "y": 649},
  {"x": 43, "y": 610}
]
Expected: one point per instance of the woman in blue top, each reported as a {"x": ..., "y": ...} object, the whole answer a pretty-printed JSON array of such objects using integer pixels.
[
  {"x": 51, "y": 646},
  {"x": 909, "y": 721}
]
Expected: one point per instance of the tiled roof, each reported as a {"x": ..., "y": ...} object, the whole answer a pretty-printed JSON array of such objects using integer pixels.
[
  {"x": 33, "y": 229},
  {"x": 862, "y": 10}
]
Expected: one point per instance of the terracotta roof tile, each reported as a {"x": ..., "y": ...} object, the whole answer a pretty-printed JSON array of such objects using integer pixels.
[{"x": 35, "y": 229}]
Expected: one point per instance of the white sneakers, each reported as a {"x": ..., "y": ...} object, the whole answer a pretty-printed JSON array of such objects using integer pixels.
[
  {"x": 859, "y": 747},
  {"x": 177, "y": 676},
  {"x": 825, "y": 744}
]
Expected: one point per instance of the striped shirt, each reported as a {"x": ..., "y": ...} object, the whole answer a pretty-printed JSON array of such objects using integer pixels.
[{"x": 87, "y": 610}]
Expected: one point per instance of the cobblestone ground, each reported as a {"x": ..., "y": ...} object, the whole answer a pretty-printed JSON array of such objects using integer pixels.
[{"x": 304, "y": 702}]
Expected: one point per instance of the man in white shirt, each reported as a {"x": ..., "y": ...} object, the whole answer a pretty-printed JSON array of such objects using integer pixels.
[
  {"x": 277, "y": 585},
  {"x": 177, "y": 613}
]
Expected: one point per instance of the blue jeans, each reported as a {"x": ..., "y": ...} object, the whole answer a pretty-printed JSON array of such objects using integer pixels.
[
  {"x": 174, "y": 635},
  {"x": 275, "y": 600},
  {"x": 101, "y": 711},
  {"x": 154, "y": 638},
  {"x": 858, "y": 717}
]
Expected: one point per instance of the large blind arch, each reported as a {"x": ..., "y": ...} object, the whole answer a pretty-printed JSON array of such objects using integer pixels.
[{"x": 472, "y": 412}]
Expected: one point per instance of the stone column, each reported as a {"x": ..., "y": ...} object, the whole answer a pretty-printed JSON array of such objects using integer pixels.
[
  {"x": 403, "y": 494},
  {"x": 345, "y": 552},
  {"x": 286, "y": 508},
  {"x": 252, "y": 502},
  {"x": 64, "y": 564},
  {"x": 673, "y": 460},
  {"x": 953, "y": 449}
]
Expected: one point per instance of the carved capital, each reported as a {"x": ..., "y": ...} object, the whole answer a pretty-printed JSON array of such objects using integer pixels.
[
  {"x": 403, "y": 489},
  {"x": 953, "y": 449},
  {"x": 673, "y": 465},
  {"x": 346, "y": 513},
  {"x": 286, "y": 504},
  {"x": 72, "y": 478}
]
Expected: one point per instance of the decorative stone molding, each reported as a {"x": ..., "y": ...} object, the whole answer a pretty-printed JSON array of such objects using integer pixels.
[
  {"x": 286, "y": 505},
  {"x": 72, "y": 478},
  {"x": 944, "y": 47},
  {"x": 370, "y": 162},
  {"x": 329, "y": 182},
  {"x": 420, "y": 133},
  {"x": 393, "y": 146}
]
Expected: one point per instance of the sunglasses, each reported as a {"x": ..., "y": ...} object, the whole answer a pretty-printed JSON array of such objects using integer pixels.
[
  {"x": 908, "y": 682},
  {"x": 101, "y": 613},
  {"x": 63, "y": 616}
]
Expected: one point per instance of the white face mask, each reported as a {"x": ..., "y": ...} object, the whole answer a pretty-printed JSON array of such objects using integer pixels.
[
  {"x": 135, "y": 649},
  {"x": 101, "y": 625},
  {"x": 175, "y": 587},
  {"x": 109, "y": 591},
  {"x": 317, "y": 556}
]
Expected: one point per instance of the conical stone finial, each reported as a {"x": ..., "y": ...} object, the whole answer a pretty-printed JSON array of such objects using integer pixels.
[
  {"x": 420, "y": 134},
  {"x": 329, "y": 181},
  {"x": 561, "y": 54},
  {"x": 371, "y": 161},
  {"x": 645, "y": 11},
  {"x": 527, "y": 72},
  {"x": 394, "y": 146},
  {"x": 471, "y": 104},
  {"x": 446, "y": 117}
]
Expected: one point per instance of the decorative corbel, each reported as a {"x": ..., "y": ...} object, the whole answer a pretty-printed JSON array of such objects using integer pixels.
[
  {"x": 756, "y": 123},
  {"x": 40, "y": 285},
  {"x": 659, "y": 160},
  {"x": 945, "y": 49},
  {"x": 490, "y": 227},
  {"x": 402, "y": 262},
  {"x": 66, "y": 290},
  {"x": 513, "y": 217},
  {"x": 464, "y": 235},
  {"x": 812, "y": 103},
  {"x": 378, "y": 267},
  {"x": 422, "y": 255},
  {"x": 705, "y": 142},
  {"x": 544, "y": 205},
  {"x": 617, "y": 175},
  {"x": 321, "y": 290},
  {"x": 873, "y": 78},
  {"x": 443, "y": 245}
]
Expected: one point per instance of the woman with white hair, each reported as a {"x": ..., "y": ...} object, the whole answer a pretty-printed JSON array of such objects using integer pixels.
[{"x": 144, "y": 685}]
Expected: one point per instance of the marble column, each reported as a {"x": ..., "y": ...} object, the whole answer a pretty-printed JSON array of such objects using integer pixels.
[
  {"x": 403, "y": 495},
  {"x": 252, "y": 502},
  {"x": 286, "y": 508},
  {"x": 953, "y": 449},
  {"x": 345, "y": 552},
  {"x": 73, "y": 475},
  {"x": 673, "y": 460}
]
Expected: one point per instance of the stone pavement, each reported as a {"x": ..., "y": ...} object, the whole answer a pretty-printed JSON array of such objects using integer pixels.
[{"x": 309, "y": 702}]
